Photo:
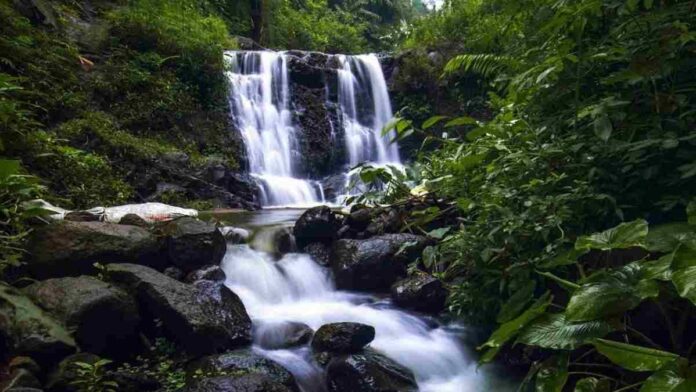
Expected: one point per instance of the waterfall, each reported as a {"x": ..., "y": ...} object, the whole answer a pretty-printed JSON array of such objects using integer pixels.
[{"x": 260, "y": 108}]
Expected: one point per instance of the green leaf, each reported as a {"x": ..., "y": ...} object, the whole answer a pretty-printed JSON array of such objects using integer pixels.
[
  {"x": 675, "y": 376},
  {"x": 691, "y": 212},
  {"x": 429, "y": 256},
  {"x": 665, "y": 238},
  {"x": 517, "y": 302},
  {"x": 439, "y": 233},
  {"x": 603, "y": 127},
  {"x": 565, "y": 258},
  {"x": 632, "y": 357},
  {"x": 555, "y": 332},
  {"x": 553, "y": 374},
  {"x": 625, "y": 235},
  {"x": 607, "y": 298},
  {"x": 8, "y": 168},
  {"x": 510, "y": 329},
  {"x": 465, "y": 120},
  {"x": 648, "y": 4},
  {"x": 684, "y": 256},
  {"x": 432, "y": 121},
  {"x": 592, "y": 384},
  {"x": 685, "y": 282}
]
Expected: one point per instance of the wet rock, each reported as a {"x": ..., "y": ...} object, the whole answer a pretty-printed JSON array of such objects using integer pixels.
[
  {"x": 368, "y": 372},
  {"x": 253, "y": 382},
  {"x": 66, "y": 372},
  {"x": 210, "y": 272},
  {"x": 29, "y": 331},
  {"x": 71, "y": 248},
  {"x": 203, "y": 319},
  {"x": 235, "y": 235},
  {"x": 359, "y": 219},
  {"x": 192, "y": 243},
  {"x": 174, "y": 273},
  {"x": 342, "y": 337},
  {"x": 103, "y": 318},
  {"x": 274, "y": 336},
  {"x": 241, "y": 362},
  {"x": 134, "y": 220},
  {"x": 283, "y": 241},
  {"x": 421, "y": 292},
  {"x": 317, "y": 224},
  {"x": 374, "y": 264},
  {"x": 319, "y": 252},
  {"x": 133, "y": 382}
]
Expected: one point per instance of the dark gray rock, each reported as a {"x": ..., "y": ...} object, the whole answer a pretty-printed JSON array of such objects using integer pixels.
[
  {"x": 204, "y": 318},
  {"x": 244, "y": 361},
  {"x": 368, "y": 372},
  {"x": 29, "y": 331},
  {"x": 210, "y": 272},
  {"x": 283, "y": 241},
  {"x": 235, "y": 235},
  {"x": 359, "y": 219},
  {"x": 273, "y": 336},
  {"x": 253, "y": 382},
  {"x": 103, "y": 318},
  {"x": 132, "y": 382},
  {"x": 71, "y": 248},
  {"x": 192, "y": 243},
  {"x": 374, "y": 264},
  {"x": 420, "y": 292},
  {"x": 174, "y": 273},
  {"x": 320, "y": 253},
  {"x": 317, "y": 224},
  {"x": 342, "y": 337},
  {"x": 134, "y": 220}
]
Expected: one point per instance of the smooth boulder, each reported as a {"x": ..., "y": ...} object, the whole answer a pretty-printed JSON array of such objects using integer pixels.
[
  {"x": 204, "y": 319},
  {"x": 421, "y": 292},
  {"x": 241, "y": 362},
  {"x": 317, "y": 224},
  {"x": 368, "y": 371},
  {"x": 342, "y": 337},
  {"x": 27, "y": 330},
  {"x": 71, "y": 248},
  {"x": 374, "y": 264},
  {"x": 281, "y": 335},
  {"x": 103, "y": 318},
  {"x": 253, "y": 382},
  {"x": 192, "y": 243}
]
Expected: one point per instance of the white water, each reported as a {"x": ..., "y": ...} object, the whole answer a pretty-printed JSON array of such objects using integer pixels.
[
  {"x": 297, "y": 289},
  {"x": 259, "y": 102}
]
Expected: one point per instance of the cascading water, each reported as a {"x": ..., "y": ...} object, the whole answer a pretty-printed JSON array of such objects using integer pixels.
[
  {"x": 297, "y": 289},
  {"x": 260, "y": 108}
]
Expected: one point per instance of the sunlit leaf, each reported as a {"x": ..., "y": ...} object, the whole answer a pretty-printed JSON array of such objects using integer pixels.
[
  {"x": 625, "y": 235},
  {"x": 675, "y": 376},
  {"x": 632, "y": 357},
  {"x": 592, "y": 384},
  {"x": 555, "y": 332},
  {"x": 8, "y": 168},
  {"x": 552, "y": 374},
  {"x": 461, "y": 121},
  {"x": 685, "y": 282},
  {"x": 432, "y": 121}
]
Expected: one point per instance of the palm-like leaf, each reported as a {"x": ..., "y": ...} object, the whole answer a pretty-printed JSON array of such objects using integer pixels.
[{"x": 555, "y": 332}]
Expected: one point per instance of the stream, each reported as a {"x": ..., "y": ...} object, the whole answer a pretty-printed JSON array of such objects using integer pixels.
[{"x": 296, "y": 289}]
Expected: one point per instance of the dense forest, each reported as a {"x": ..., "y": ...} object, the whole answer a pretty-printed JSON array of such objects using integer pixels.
[{"x": 550, "y": 150}]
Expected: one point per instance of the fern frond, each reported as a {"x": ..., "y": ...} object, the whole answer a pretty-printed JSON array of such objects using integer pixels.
[{"x": 486, "y": 64}]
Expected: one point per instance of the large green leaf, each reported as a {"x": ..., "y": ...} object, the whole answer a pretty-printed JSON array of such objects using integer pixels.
[
  {"x": 685, "y": 282},
  {"x": 8, "y": 168},
  {"x": 675, "y": 376},
  {"x": 510, "y": 329},
  {"x": 552, "y": 374},
  {"x": 625, "y": 235},
  {"x": 432, "y": 121},
  {"x": 555, "y": 332},
  {"x": 632, "y": 357},
  {"x": 517, "y": 302},
  {"x": 684, "y": 256},
  {"x": 592, "y": 384},
  {"x": 665, "y": 238},
  {"x": 607, "y": 298}
]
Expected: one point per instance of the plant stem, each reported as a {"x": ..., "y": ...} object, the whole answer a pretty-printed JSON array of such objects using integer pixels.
[{"x": 629, "y": 387}]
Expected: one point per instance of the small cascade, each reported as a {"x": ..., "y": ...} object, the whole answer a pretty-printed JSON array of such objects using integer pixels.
[{"x": 259, "y": 102}]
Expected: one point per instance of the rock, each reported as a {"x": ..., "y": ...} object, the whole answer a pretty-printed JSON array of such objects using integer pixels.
[
  {"x": 174, "y": 273},
  {"x": 82, "y": 216},
  {"x": 359, "y": 219},
  {"x": 253, "y": 382},
  {"x": 209, "y": 272},
  {"x": 374, "y": 264},
  {"x": 244, "y": 361},
  {"x": 131, "y": 382},
  {"x": 280, "y": 335},
  {"x": 420, "y": 292},
  {"x": 317, "y": 224},
  {"x": 134, "y": 220},
  {"x": 19, "y": 378},
  {"x": 192, "y": 243},
  {"x": 29, "y": 331},
  {"x": 320, "y": 253},
  {"x": 70, "y": 248},
  {"x": 283, "y": 241},
  {"x": 66, "y": 372},
  {"x": 204, "y": 319},
  {"x": 342, "y": 337},
  {"x": 235, "y": 235},
  {"x": 103, "y": 318},
  {"x": 368, "y": 372}
]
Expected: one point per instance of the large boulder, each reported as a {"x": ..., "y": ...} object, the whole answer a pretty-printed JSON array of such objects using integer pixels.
[
  {"x": 342, "y": 337},
  {"x": 203, "y": 319},
  {"x": 103, "y": 318},
  {"x": 27, "y": 330},
  {"x": 420, "y": 292},
  {"x": 321, "y": 253},
  {"x": 368, "y": 371},
  {"x": 71, "y": 248},
  {"x": 374, "y": 264},
  {"x": 284, "y": 334},
  {"x": 242, "y": 362},
  {"x": 317, "y": 224},
  {"x": 253, "y": 382},
  {"x": 192, "y": 243}
]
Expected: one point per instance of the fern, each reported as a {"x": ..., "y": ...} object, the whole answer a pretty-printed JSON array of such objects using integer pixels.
[
  {"x": 487, "y": 65},
  {"x": 554, "y": 331}
]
